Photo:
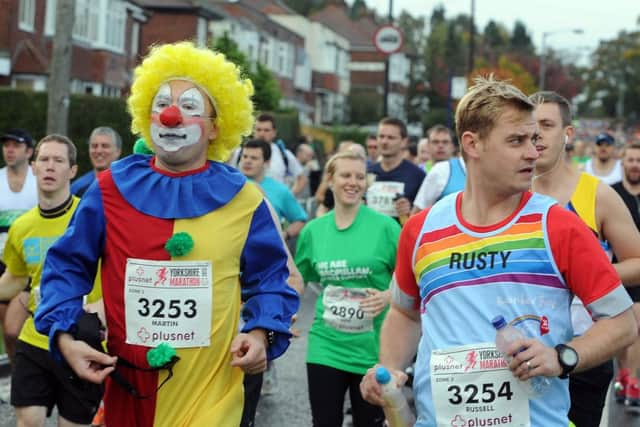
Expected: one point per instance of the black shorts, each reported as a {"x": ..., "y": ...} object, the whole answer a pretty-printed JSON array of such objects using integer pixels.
[{"x": 37, "y": 380}]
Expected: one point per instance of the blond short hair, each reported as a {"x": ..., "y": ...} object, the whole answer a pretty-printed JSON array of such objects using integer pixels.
[
  {"x": 483, "y": 104},
  {"x": 330, "y": 167}
]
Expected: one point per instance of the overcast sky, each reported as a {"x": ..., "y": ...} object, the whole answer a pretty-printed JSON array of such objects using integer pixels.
[{"x": 599, "y": 19}]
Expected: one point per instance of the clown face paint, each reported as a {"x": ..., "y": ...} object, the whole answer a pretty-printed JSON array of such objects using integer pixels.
[{"x": 185, "y": 124}]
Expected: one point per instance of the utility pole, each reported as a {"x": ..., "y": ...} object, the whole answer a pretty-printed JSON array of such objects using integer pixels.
[
  {"x": 60, "y": 68},
  {"x": 472, "y": 37},
  {"x": 385, "y": 101},
  {"x": 543, "y": 53}
]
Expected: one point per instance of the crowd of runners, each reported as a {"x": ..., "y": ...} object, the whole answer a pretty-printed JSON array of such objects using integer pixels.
[{"x": 159, "y": 288}]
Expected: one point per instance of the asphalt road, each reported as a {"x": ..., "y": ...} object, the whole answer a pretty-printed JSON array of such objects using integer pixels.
[{"x": 288, "y": 406}]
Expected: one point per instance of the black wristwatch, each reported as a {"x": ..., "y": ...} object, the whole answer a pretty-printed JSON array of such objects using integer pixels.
[
  {"x": 271, "y": 337},
  {"x": 568, "y": 359}
]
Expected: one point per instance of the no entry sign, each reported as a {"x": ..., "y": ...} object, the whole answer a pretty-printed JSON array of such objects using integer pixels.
[{"x": 388, "y": 39}]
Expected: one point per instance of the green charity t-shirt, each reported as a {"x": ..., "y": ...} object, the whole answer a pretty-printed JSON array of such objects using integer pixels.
[{"x": 346, "y": 262}]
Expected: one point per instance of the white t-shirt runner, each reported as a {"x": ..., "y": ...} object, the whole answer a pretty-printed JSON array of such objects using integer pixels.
[{"x": 168, "y": 301}]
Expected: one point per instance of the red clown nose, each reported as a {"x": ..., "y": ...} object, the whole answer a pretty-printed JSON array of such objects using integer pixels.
[{"x": 171, "y": 116}]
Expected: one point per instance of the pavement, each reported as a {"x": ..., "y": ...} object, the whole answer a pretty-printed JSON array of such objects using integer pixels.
[{"x": 288, "y": 406}]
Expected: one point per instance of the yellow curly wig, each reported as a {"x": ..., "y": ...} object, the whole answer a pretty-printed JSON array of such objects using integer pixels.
[{"x": 213, "y": 74}]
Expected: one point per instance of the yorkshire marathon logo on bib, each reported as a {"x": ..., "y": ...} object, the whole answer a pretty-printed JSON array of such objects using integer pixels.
[
  {"x": 168, "y": 301},
  {"x": 381, "y": 194},
  {"x": 472, "y": 386}
]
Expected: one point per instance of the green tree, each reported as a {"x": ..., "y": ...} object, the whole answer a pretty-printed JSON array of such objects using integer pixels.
[
  {"x": 496, "y": 39},
  {"x": 508, "y": 69},
  {"x": 267, "y": 91},
  {"x": 306, "y": 7},
  {"x": 520, "y": 39},
  {"x": 445, "y": 54},
  {"x": 358, "y": 9},
  {"x": 365, "y": 106},
  {"x": 496, "y": 36},
  {"x": 612, "y": 82},
  {"x": 413, "y": 30}
]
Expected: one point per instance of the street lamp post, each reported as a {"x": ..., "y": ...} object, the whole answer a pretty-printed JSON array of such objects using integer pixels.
[
  {"x": 385, "y": 105},
  {"x": 543, "y": 52}
]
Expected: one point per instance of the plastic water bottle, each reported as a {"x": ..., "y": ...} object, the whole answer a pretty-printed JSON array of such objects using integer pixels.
[
  {"x": 396, "y": 408},
  {"x": 505, "y": 335}
]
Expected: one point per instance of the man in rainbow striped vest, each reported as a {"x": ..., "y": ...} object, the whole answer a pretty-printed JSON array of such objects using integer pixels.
[{"x": 497, "y": 249}]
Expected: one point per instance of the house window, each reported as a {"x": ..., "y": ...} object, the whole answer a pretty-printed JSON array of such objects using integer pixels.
[
  {"x": 116, "y": 18},
  {"x": 264, "y": 52},
  {"x": 27, "y": 14},
  {"x": 135, "y": 38},
  {"x": 84, "y": 21},
  {"x": 50, "y": 18},
  {"x": 201, "y": 32},
  {"x": 281, "y": 59}
]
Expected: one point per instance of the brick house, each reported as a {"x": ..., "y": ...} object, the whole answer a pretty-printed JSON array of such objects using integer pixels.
[
  {"x": 105, "y": 44},
  {"x": 281, "y": 50},
  {"x": 176, "y": 20},
  {"x": 367, "y": 64},
  {"x": 328, "y": 53}
]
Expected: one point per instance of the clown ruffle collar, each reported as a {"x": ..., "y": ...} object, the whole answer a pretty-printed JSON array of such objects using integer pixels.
[{"x": 164, "y": 195}]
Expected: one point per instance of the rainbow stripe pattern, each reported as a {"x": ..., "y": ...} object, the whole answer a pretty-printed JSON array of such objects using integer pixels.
[{"x": 450, "y": 257}]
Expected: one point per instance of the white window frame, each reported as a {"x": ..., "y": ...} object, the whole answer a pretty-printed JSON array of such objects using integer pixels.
[
  {"x": 201, "y": 32},
  {"x": 135, "y": 38},
  {"x": 50, "y": 18},
  {"x": 114, "y": 30},
  {"x": 27, "y": 15}
]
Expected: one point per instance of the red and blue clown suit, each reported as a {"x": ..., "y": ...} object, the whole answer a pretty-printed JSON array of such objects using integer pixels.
[{"x": 129, "y": 213}]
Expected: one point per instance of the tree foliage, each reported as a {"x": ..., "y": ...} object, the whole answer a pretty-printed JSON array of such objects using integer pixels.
[
  {"x": 267, "y": 91},
  {"x": 507, "y": 53},
  {"x": 520, "y": 39},
  {"x": 613, "y": 80},
  {"x": 510, "y": 70},
  {"x": 306, "y": 7}
]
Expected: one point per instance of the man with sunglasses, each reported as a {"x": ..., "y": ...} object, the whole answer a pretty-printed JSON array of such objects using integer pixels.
[{"x": 604, "y": 163}]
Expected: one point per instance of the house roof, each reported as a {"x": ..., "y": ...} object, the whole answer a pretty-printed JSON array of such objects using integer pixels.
[
  {"x": 205, "y": 8},
  {"x": 254, "y": 12},
  {"x": 359, "y": 32},
  {"x": 266, "y": 7}
]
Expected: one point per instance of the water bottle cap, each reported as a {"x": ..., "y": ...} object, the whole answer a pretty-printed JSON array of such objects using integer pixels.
[
  {"x": 498, "y": 322},
  {"x": 382, "y": 375}
]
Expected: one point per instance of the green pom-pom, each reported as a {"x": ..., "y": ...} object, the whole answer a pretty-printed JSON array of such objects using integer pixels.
[
  {"x": 140, "y": 147},
  {"x": 161, "y": 355},
  {"x": 179, "y": 244}
]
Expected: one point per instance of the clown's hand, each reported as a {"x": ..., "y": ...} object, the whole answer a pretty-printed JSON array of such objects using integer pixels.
[
  {"x": 88, "y": 363},
  {"x": 249, "y": 351}
]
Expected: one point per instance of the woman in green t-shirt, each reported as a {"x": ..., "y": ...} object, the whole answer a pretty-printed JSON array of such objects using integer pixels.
[{"x": 351, "y": 252}]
